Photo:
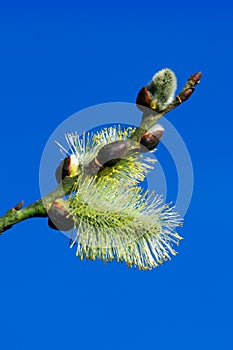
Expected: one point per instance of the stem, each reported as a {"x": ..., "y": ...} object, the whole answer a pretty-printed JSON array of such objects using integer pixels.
[
  {"x": 36, "y": 209},
  {"x": 41, "y": 206},
  {"x": 151, "y": 117}
]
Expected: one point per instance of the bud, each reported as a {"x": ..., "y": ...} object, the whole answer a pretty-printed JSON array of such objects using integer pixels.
[
  {"x": 151, "y": 139},
  {"x": 111, "y": 153},
  {"x": 184, "y": 95},
  {"x": 143, "y": 99},
  {"x": 108, "y": 155},
  {"x": 68, "y": 167},
  {"x": 18, "y": 206},
  {"x": 59, "y": 218},
  {"x": 195, "y": 78},
  {"x": 161, "y": 89}
]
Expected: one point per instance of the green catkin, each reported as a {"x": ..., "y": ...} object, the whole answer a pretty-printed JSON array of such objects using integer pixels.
[
  {"x": 115, "y": 218},
  {"x": 124, "y": 224}
]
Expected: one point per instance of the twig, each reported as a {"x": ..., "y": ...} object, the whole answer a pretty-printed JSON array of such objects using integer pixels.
[
  {"x": 36, "y": 209},
  {"x": 41, "y": 206},
  {"x": 151, "y": 117}
]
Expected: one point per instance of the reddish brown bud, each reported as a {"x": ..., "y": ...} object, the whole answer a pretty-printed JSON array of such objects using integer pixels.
[
  {"x": 143, "y": 99},
  {"x": 59, "y": 218},
  {"x": 19, "y": 206},
  {"x": 196, "y": 77},
  {"x": 67, "y": 167},
  {"x": 184, "y": 95},
  {"x": 63, "y": 169},
  {"x": 108, "y": 155},
  {"x": 187, "y": 93},
  {"x": 150, "y": 140}
]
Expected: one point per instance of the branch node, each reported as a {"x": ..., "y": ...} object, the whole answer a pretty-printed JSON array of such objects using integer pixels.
[{"x": 178, "y": 98}]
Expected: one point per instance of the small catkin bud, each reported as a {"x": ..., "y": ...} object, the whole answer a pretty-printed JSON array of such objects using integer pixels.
[
  {"x": 151, "y": 139},
  {"x": 68, "y": 167},
  {"x": 162, "y": 88},
  {"x": 59, "y": 218}
]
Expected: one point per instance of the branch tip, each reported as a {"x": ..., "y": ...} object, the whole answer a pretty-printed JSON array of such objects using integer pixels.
[{"x": 195, "y": 78}]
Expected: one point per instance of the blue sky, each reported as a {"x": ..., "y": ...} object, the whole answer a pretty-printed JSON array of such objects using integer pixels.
[{"x": 57, "y": 59}]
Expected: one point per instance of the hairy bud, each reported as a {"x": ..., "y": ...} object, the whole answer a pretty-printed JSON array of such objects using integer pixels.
[
  {"x": 159, "y": 92},
  {"x": 162, "y": 88}
]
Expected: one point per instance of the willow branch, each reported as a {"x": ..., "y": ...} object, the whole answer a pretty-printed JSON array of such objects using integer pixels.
[
  {"x": 151, "y": 117},
  {"x": 36, "y": 209},
  {"x": 41, "y": 206}
]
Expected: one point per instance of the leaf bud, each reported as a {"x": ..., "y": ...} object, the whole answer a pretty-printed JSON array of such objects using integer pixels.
[
  {"x": 67, "y": 167},
  {"x": 143, "y": 99},
  {"x": 151, "y": 139},
  {"x": 111, "y": 153},
  {"x": 59, "y": 218},
  {"x": 195, "y": 78}
]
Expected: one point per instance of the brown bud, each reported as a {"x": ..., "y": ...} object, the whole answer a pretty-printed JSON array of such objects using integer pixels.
[
  {"x": 111, "y": 153},
  {"x": 67, "y": 167},
  {"x": 150, "y": 140},
  {"x": 187, "y": 93},
  {"x": 143, "y": 99},
  {"x": 92, "y": 168},
  {"x": 196, "y": 77},
  {"x": 18, "y": 206},
  {"x": 63, "y": 169},
  {"x": 59, "y": 218},
  {"x": 184, "y": 95}
]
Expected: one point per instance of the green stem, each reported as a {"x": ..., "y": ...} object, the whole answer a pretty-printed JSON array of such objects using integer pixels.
[
  {"x": 38, "y": 208},
  {"x": 41, "y": 206}
]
